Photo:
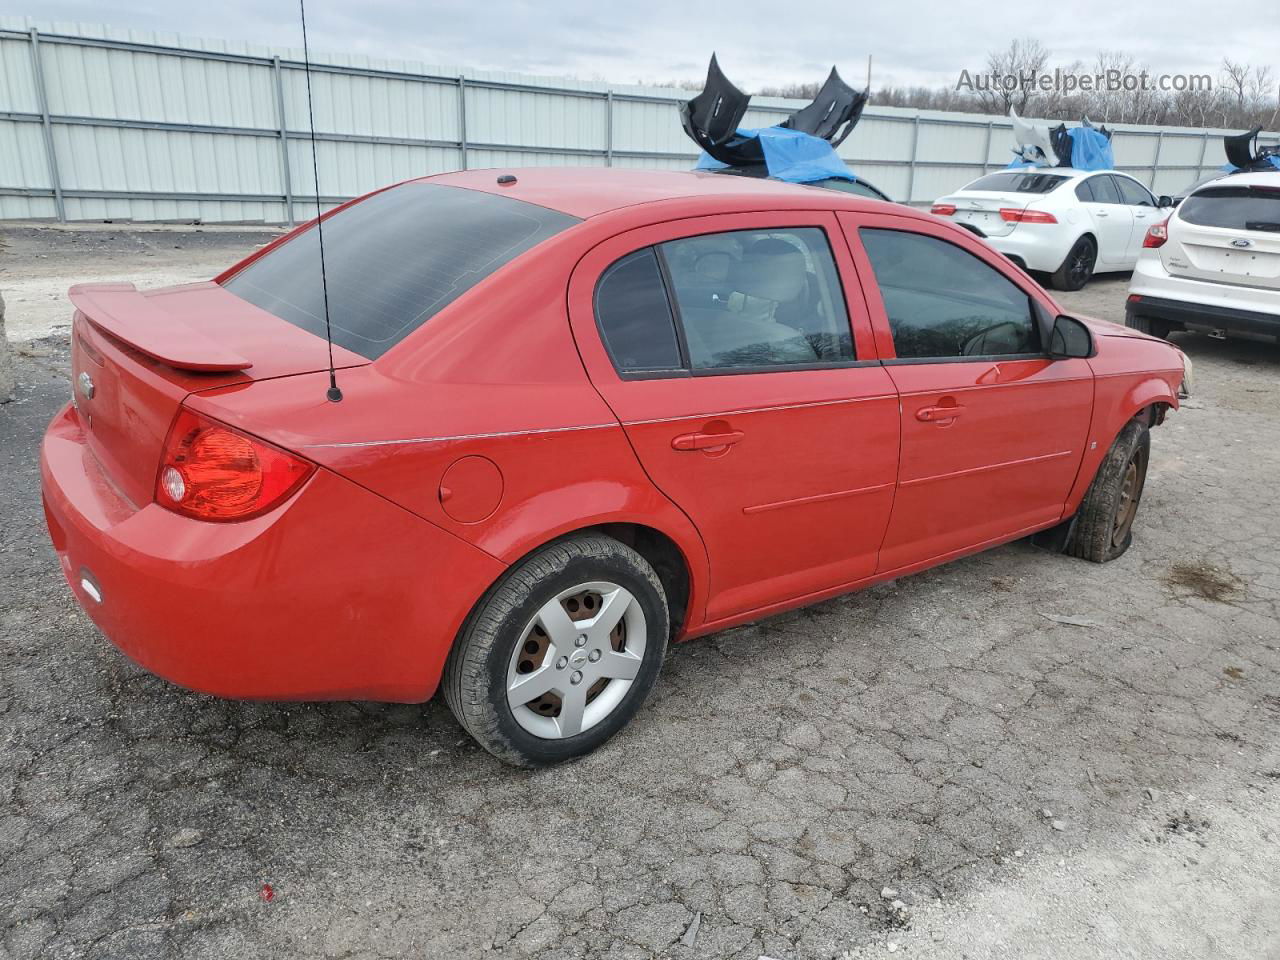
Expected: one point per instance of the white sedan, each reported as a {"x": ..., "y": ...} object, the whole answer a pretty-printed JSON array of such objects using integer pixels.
[{"x": 1067, "y": 223}]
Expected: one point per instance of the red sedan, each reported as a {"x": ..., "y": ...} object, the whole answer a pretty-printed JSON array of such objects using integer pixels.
[{"x": 583, "y": 413}]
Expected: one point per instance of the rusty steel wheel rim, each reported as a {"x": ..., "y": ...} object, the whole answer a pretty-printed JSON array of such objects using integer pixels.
[
  {"x": 576, "y": 660},
  {"x": 1127, "y": 506}
]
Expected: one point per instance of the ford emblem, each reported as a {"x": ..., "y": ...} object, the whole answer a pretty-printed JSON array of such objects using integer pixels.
[
  {"x": 1242, "y": 243},
  {"x": 86, "y": 385}
]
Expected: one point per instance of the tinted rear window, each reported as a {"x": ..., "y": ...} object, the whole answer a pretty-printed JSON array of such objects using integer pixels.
[
  {"x": 1011, "y": 182},
  {"x": 393, "y": 261},
  {"x": 1235, "y": 208}
]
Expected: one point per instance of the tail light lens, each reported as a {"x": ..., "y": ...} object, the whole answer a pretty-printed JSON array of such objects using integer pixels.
[
  {"x": 1157, "y": 234},
  {"x": 1014, "y": 215},
  {"x": 943, "y": 209},
  {"x": 211, "y": 471}
]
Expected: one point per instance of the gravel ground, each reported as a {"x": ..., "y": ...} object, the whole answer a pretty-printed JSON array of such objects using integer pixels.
[{"x": 933, "y": 767}]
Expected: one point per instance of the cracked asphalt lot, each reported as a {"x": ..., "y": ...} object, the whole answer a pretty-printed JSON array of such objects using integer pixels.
[{"x": 782, "y": 776}]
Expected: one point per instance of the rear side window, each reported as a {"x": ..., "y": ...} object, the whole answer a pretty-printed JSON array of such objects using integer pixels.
[
  {"x": 1234, "y": 208},
  {"x": 759, "y": 299},
  {"x": 745, "y": 301},
  {"x": 1084, "y": 192},
  {"x": 635, "y": 315},
  {"x": 943, "y": 302},
  {"x": 1010, "y": 181},
  {"x": 393, "y": 261}
]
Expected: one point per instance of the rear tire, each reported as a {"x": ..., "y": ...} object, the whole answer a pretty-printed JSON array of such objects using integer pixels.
[
  {"x": 1151, "y": 327},
  {"x": 1077, "y": 268},
  {"x": 1104, "y": 523},
  {"x": 541, "y": 673}
]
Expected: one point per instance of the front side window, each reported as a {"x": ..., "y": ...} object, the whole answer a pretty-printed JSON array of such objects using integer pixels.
[
  {"x": 1133, "y": 193},
  {"x": 393, "y": 261},
  {"x": 944, "y": 302},
  {"x": 1104, "y": 190},
  {"x": 759, "y": 298}
]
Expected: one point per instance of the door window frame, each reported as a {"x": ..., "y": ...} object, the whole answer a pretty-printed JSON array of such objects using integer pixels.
[
  {"x": 1119, "y": 177},
  {"x": 600, "y": 258}
]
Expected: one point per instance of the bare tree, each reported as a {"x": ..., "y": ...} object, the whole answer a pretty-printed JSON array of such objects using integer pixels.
[
  {"x": 1236, "y": 77},
  {"x": 1023, "y": 59}
]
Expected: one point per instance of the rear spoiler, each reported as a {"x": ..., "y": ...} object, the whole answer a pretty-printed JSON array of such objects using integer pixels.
[
  {"x": 132, "y": 317},
  {"x": 1243, "y": 153},
  {"x": 711, "y": 119}
]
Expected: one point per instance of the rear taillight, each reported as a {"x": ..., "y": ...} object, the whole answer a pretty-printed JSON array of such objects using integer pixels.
[
  {"x": 1157, "y": 234},
  {"x": 1015, "y": 215},
  {"x": 211, "y": 471},
  {"x": 943, "y": 209}
]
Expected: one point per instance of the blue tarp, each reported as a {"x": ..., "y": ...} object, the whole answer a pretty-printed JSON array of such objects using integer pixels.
[
  {"x": 790, "y": 155},
  {"x": 1231, "y": 168},
  {"x": 1090, "y": 150}
]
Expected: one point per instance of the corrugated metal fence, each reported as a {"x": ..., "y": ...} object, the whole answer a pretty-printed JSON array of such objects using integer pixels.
[{"x": 98, "y": 123}]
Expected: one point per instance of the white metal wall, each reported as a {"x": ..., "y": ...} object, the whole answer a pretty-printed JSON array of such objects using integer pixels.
[{"x": 101, "y": 123}]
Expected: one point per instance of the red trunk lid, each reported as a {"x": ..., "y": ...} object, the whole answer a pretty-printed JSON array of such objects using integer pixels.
[{"x": 135, "y": 356}]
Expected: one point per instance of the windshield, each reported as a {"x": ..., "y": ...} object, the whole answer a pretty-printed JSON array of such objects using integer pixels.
[
  {"x": 1235, "y": 208},
  {"x": 858, "y": 187},
  {"x": 1011, "y": 181},
  {"x": 393, "y": 261}
]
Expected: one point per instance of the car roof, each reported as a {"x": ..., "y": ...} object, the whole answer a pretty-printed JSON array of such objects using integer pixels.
[
  {"x": 1254, "y": 178},
  {"x": 590, "y": 191}
]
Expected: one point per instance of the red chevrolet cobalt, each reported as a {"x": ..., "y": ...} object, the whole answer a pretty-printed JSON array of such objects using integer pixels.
[{"x": 583, "y": 413}]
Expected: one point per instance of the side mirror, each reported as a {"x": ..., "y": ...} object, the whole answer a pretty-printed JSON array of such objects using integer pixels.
[
  {"x": 1164, "y": 201},
  {"x": 1070, "y": 339}
]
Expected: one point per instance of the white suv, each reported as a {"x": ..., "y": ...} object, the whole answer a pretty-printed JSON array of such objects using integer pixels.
[
  {"x": 1064, "y": 222},
  {"x": 1214, "y": 264}
]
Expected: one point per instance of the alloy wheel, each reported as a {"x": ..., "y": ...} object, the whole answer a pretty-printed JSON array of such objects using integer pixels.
[{"x": 576, "y": 659}]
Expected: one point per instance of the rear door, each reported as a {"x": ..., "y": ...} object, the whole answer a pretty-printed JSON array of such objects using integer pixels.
[
  {"x": 1110, "y": 219},
  {"x": 1227, "y": 234},
  {"x": 750, "y": 390},
  {"x": 1142, "y": 208},
  {"x": 993, "y": 431}
]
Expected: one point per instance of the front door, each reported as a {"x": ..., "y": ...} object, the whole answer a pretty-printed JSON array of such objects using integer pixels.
[
  {"x": 1143, "y": 210},
  {"x": 993, "y": 431},
  {"x": 725, "y": 347}
]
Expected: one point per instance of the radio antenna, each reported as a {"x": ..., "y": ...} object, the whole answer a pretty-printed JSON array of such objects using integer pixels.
[{"x": 333, "y": 393}]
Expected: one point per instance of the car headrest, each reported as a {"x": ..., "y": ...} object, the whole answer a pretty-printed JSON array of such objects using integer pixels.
[
  {"x": 771, "y": 270},
  {"x": 712, "y": 267}
]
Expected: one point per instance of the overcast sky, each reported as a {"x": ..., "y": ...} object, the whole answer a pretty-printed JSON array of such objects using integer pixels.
[{"x": 913, "y": 41}]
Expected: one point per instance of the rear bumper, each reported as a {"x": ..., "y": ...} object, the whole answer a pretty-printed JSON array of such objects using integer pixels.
[
  {"x": 1034, "y": 247},
  {"x": 337, "y": 594},
  {"x": 1190, "y": 315}
]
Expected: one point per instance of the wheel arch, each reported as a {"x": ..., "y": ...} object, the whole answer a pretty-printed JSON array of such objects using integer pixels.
[
  {"x": 675, "y": 551},
  {"x": 1146, "y": 401}
]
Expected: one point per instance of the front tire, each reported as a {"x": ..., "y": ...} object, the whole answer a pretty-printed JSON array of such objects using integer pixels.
[
  {"x": 1077, "y": 268},
  {"x": 561, "y": 653},
  {"x": 1104, "y": 523}
]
